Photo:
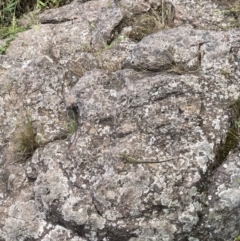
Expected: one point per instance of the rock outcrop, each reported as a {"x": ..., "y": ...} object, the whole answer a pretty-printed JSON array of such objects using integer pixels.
[{"x": 124, "y": 129}]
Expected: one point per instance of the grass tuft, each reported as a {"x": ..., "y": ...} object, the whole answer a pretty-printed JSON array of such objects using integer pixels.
[
  {"x": 25, "y": 139},
  {"x": 237, "y": 238},
  {"x": 11, "y": 10},
  {"x": 71, "y": 126},
  {"x": 144, "y": 24},
  {"x": 17, "y": 8},
  {"x": 232, "y": 9},
  {"x": 9, "y": 33},
  {"x": 232, "y": 140}
]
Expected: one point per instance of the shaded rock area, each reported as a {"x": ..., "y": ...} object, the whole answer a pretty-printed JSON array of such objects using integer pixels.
[{"x": 127, "y": 126}]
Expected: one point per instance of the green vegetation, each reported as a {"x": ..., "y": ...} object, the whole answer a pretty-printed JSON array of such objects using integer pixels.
[
  {"x": 237, "y": 238},
  {"x": 9, "y": 33},
  {"x": 70, "y": 123},
  {"x": 225, "y": 73},
  {"x": 147, "y": 23},
  {"x": 233, "y": 135},
  {"x": 116, "y": 42},
  {"x": 25, "y": 139},
  {"x": 232, "y": 9},
  {"x": 71, "y": 126},
  {"x": 11, "y": 10},
  {"x": 6, "y": 44}
]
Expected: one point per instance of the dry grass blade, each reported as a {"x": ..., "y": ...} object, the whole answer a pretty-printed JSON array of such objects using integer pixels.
[{"x": 25, "y": 140}]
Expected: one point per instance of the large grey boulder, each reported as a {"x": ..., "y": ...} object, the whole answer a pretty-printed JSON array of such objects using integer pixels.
[{"x": 126, "y": 132}]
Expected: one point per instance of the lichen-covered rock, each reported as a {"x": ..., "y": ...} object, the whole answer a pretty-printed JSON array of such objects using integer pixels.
[
  {"x": 126, "y": 132},
  {"x": 203, "y": 14},
  {"x": 224, "y": 208}
]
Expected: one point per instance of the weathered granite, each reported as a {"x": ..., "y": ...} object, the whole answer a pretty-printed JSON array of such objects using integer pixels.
[{"x": 151, "y": 114}]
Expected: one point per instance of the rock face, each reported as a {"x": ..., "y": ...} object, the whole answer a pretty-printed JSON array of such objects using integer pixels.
[{"x": 124, "y": 131}]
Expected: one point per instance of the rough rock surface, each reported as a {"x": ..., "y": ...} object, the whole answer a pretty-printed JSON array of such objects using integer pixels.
[{"x": 151, "y": 114}]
